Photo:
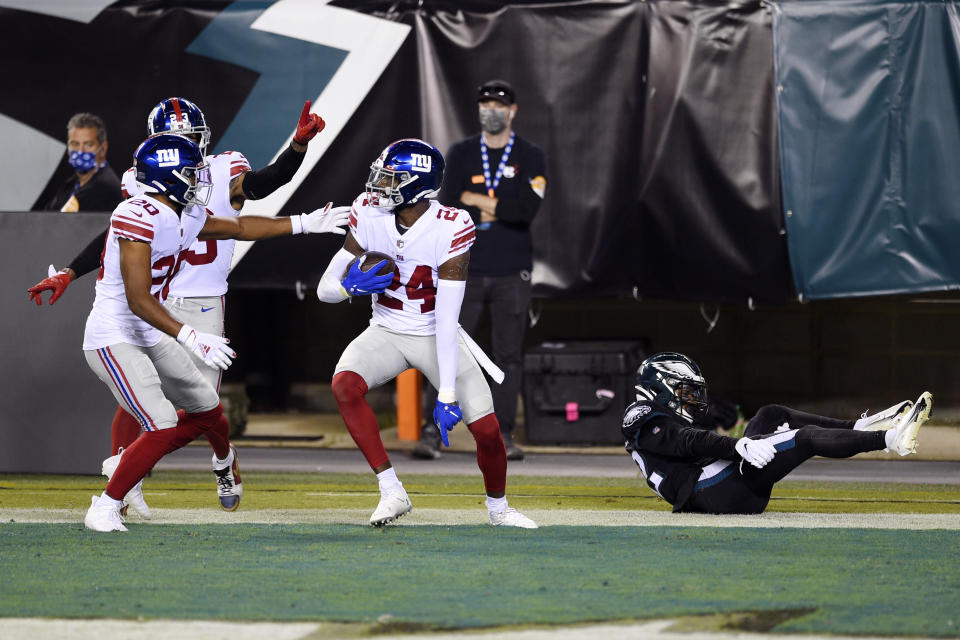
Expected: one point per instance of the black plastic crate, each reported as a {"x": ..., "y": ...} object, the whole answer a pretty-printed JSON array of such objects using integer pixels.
[{"x": 575, "y": 392}]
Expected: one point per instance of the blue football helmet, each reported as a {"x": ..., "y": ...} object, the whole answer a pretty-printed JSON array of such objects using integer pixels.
[
  {"x": 173, "y": 165},
  {"x": 179, "y": 115},
  {"x": 675, "y": 381},
  {"x": 407, "y": 171}
]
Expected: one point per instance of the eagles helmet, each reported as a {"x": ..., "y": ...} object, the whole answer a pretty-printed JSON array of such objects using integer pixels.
[
  {"x": 407, "y": 171},
  {"x": 173, "y": 165},
  {"x": 179, "y": 115},
  {"x": 675, "y": 381}
]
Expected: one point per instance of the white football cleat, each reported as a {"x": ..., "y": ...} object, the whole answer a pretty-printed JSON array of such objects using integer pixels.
[
  {"x": 393, "y": 504},
  {"x": 886, "y": 419},
  {"x": 134, "y": 497},
  {"x": 103, "y": 515},
  {"x": 510, "y": 517},
  {"x": 905, "y": 433},
  {"x": 229, "y": 485}
]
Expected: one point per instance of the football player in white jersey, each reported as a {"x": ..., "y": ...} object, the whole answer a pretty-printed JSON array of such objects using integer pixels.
[
  {"x": 415, "y": 320},
  {"x": 199, "y": 277},
  {"x": 129, "y": 336}
]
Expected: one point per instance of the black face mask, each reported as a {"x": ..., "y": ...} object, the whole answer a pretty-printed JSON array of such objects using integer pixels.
[{"x": 493, "y": 120}]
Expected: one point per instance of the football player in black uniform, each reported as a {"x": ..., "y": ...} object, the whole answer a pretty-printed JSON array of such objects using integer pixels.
[{"x": 697, "y": 470}]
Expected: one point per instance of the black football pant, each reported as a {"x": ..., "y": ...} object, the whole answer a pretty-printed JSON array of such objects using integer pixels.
[
  {"x": 508, "y": 298},
  {"x": 747, "y": 489}
]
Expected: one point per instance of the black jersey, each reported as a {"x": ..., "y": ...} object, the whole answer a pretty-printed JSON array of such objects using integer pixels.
[{"x": 670, "y": 452}]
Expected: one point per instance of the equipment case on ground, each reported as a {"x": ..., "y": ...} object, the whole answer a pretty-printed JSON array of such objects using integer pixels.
[{"x": 575, "y": 392}]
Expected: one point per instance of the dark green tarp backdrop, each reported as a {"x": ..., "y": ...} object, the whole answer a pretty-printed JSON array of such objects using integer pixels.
[{"x": 868, "y": 98}]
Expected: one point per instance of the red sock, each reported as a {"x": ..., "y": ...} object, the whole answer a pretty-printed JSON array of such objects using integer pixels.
[
  {"x": 350, "y": 390},
  {"x": 218, "y": 436},
  {"x": 491, "y": 453},
  {"x": 153, "y": 445},
  {"x": 123, "y": 431}
]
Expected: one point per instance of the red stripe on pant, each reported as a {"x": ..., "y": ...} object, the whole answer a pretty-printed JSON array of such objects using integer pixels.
[
  {"x": 491, "y": 454},
  {"x": 153, "y": 445},
  {"x": 350, "y": 391}
]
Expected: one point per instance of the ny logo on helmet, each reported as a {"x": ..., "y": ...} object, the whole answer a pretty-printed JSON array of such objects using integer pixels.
[
  {"x": 421, "y": 162},
  {"x": 168, "y": 157}
]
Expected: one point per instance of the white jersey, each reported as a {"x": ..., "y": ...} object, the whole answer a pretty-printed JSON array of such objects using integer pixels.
[
  {"x": 143, "y": 219},
  {"x": 201, "y": 271},
  {"x": 440, "y": 234}
]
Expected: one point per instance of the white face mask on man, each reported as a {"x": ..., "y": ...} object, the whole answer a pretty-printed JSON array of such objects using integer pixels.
[{"x": 493, "y": 120}]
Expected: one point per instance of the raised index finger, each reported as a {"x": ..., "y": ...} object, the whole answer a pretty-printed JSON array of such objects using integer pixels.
[{"x": 305, "y": 114}]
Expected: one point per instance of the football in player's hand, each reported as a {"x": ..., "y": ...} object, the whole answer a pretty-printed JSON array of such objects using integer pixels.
[{"x": 369, "y": 259}]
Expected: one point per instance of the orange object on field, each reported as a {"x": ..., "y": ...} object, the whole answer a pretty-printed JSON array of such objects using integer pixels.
[{"x": 409, "y": 404}]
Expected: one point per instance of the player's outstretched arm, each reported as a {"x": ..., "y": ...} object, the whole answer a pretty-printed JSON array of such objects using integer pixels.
[
  {"x": 260, "y": 183},
  {"x": 58, "y": 281},
  {"x": 137, "y": 279},
  {"x": 325, "y": 220}
]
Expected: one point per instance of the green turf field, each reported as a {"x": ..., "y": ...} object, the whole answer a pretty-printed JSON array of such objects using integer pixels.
[
  {"x": 853, "y": 581},
  {"x": 823, "y": 580}
]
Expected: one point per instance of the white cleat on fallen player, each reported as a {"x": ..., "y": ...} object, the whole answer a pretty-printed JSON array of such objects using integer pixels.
[
  {"x": 886, "y": 419},
  {"x": 510, "y": 517},
  {"x": 905, "y": 433},
  {"x": 393, "y": 504},
  {"x": 134, "y": 497},
  {"x": 103, "y": 515}
]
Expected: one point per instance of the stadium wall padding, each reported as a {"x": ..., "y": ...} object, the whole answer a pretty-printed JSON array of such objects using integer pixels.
[{"x": 54, "y": 412}]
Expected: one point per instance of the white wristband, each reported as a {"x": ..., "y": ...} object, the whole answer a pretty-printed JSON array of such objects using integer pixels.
[
  {"x": 187, "y": 336},
  {"x": 447, "y": 396},
  {"x": 297, "y": 223}
]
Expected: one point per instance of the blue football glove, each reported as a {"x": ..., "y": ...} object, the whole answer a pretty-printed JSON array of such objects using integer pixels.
[
  {"x": 358, "y": 282},
  {"x": 446, "y": 416}
]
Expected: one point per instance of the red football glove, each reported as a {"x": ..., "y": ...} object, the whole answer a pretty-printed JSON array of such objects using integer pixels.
[
  {"x": 56, "y": 282},
  {"x": 310, "y": 124}
]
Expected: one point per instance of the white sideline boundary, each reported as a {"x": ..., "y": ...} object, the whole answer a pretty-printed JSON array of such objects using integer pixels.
[
  {"x": 544, "y": 517},
  {"x": 34, "y": 629}
]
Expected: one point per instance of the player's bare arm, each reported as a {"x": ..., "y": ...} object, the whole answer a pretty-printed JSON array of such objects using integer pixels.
[
  {"x": 325, "y": 220},
  {"x": 245, "y": 228},
  {"x": 455, "y": 268},
  {"x": 350, "y": 244},
  {"x": 137, "y": 278}
]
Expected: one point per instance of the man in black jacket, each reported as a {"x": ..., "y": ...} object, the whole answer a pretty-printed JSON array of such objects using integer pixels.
[
  {"x": 500, "y": 179},
  {"x": 697, "y": 470},
  {"x": 94, "y": 186}
]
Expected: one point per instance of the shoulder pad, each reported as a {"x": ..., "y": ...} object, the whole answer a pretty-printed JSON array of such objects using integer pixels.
[{"x": 636, "y": 412}]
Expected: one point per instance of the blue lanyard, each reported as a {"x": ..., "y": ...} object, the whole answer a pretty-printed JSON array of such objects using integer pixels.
[{"x": 492, "y": 186}]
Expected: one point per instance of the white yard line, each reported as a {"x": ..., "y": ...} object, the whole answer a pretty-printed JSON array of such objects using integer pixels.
[
  {"x": 544, "y": 517},
  {"x": 38, "y": 629}
]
